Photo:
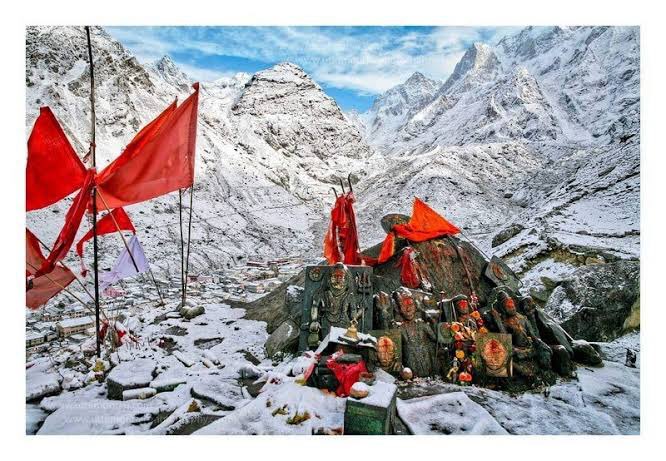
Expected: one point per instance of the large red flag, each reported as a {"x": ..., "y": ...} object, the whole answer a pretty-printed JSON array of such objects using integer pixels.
[
  {"x": 40, "y": 289},
  {"x": 53, "y": 170},
  {"x": 107, "y": 226},
  {"x": 72, "y": 222},
  {"x": 160, "y": 159}
]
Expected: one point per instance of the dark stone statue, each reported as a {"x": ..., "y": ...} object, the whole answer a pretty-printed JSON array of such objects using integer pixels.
[
  {"x": 529, "y": 352},
  {"x": 418, "y": 339},
  {"x": 333, "y": 305}
]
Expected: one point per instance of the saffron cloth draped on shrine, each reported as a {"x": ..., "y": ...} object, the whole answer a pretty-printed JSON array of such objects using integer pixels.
[
  {"x": 424, "y": 224},
  {"x": 341, "y": 239},
  {"x": 53, "y": 170}
]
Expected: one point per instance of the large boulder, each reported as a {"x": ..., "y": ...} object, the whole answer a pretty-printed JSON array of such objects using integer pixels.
[
  {"x": 595, "y": 301},
  {"x": 279, "y": 305},
  {"x": 441, "y": 260},
  {"x": 283, "y": 339},
  {"x": 133, "y": 374}
]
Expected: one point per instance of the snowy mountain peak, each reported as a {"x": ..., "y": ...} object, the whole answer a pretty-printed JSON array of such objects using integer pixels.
[
  {"x": 417, "y": 78},
  {"x": 167, "y": 67},
  {"x": 479, "y": 61}
]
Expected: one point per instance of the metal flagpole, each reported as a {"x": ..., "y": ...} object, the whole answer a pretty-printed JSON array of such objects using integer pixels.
[
  {"x": 94, "y": 191},
  {"x": 182, "y": 248},
  {"x": 189, "y": 234},
  {"x": 136, "y": 267}
]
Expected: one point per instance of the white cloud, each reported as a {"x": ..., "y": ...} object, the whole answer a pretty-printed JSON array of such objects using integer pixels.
[{"x": 358, "y": 59}]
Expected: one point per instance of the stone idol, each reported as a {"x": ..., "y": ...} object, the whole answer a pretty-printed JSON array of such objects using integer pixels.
[{"x": 333, "y": 297}]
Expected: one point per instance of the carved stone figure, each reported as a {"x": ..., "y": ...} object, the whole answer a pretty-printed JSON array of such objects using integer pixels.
[
  {"x": 529, "y": 351},
  {"x": 418, "y": 339},
  {"x": 383, "y": 311},
  {"x": 334, "y": 304},
  {"x": 528, "y": 309}
]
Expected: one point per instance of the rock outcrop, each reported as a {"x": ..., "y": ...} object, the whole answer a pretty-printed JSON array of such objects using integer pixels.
[{"x": 595, "y": 301}]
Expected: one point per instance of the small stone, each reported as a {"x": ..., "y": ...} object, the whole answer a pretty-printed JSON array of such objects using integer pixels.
[
  {"x": 586, "y": 354},
  {"x": 189, "y": 312},
  {"x": 141, "y": 393},
  {"x": 406, "y": 374},
  {"x": 359, "y": 390},
  {"x": 561, "y": 361}
]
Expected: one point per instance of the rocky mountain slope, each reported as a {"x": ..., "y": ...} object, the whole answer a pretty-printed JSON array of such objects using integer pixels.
[
  {"x": 269, "y": 145},
  {"x": 531, "y": 145}
]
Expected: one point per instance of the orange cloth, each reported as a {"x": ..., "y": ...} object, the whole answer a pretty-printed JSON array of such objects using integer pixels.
[
  {"x": 341, "y": 239},
  {"x": 425, "y": 224}
]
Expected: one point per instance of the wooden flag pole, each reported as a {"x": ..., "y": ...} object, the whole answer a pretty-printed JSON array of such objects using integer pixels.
[
  {"x": 94, "y": 191},
  {"x": 136, "y": 267}
]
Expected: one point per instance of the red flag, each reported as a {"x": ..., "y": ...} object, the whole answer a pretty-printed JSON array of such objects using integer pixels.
[
  {"x": 40, "y": 289},
  {"x": 53, "y": 170},
  {"x": 72, "y": 222},
  {"x": 107, "y": 226},
  {"x": 160, "y": 159}
]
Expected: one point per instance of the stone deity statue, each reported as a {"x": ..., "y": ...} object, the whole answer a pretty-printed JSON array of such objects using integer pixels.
[
  {"x": 334, "y": 304},
  {"x": 418, "y": 339},
  {"x": 529, "y": 351}
]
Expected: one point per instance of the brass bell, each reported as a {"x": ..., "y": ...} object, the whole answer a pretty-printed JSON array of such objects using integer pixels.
[{"x": 352, "y": 331}]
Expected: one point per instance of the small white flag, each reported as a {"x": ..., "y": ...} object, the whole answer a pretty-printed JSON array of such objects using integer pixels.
[{"x": 124, "y": 267}]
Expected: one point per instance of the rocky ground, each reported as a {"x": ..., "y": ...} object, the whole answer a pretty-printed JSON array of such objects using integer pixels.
[
  {"x": 532, "y": 147},
  {"x": 211, "y": 376}
]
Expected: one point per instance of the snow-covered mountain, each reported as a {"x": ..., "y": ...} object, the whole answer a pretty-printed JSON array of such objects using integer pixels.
[
  {"x": 535, "y": 138},
  {"x": 532, "y": 143},
  {"x": 269, "y": 148}
]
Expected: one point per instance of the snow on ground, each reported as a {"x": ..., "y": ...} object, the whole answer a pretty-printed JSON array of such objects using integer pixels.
[
  {"x": 278, "y": 409},
  {"x": 602, "y": 400},
  {"x": 214, "y": 359},
  {"x": 452, "y": 413}
]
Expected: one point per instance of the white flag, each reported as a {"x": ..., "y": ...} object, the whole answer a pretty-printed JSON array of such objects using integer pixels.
[{"x": 124, "y": 267}]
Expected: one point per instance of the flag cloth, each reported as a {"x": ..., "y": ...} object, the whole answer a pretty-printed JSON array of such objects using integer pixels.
[
  {"x": 72, "y": 222},
  {"x": 53, "y": 170},
  {"x": 106, "y": 225},
  {"x": 341, "y": 239},
  {"x": 159, "y": 160},
  {"x": 40, "y": 289},
  {"x": 124, "y": 267},
  {"x": 424, "y": 224}
]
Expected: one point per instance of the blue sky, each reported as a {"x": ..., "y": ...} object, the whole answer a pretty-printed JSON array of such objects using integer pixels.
[{"x": 352, "y": 64}]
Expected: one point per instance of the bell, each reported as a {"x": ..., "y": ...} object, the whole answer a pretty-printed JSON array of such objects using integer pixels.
[{"x": 352, "y": 332}]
